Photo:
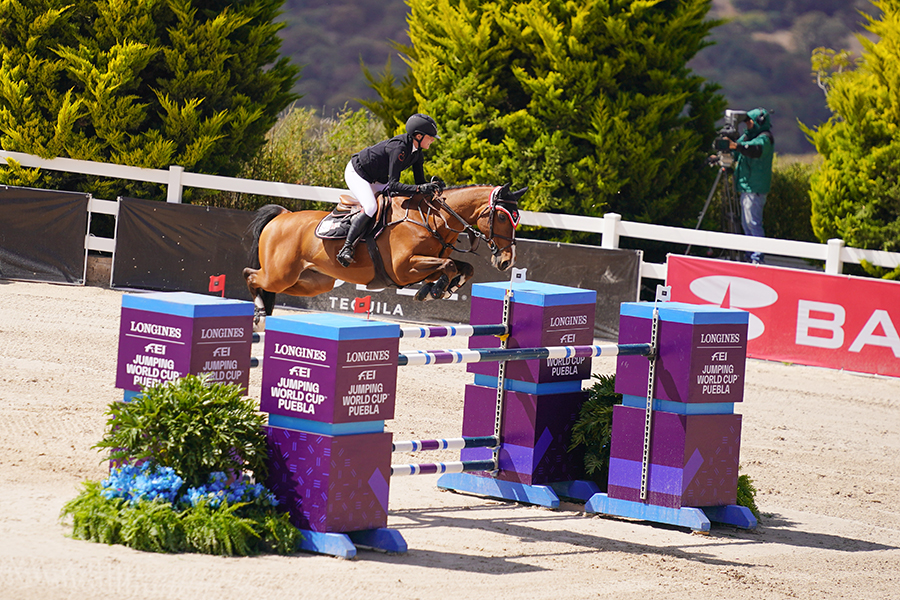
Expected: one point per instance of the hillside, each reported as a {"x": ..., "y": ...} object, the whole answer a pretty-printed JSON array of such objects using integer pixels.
[{"x": 760, "y": 57}]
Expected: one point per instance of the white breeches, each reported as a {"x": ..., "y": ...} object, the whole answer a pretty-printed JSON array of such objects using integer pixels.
[{"x": 362, "y": 190}]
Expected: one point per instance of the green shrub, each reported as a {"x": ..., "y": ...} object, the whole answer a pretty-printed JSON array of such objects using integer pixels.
[
  {"x": 152, "y": 527},
  {"x": 855, "y": 193},
  {"x": 788, "y": 211},
  {"x": 593, "y": 428},
  {"x": 191, "y": 425},
  {"x": 241, "y": 529},
  {"x": 93, "y": 516},
  {"x": 185, "y": 444},
  {"x": 303, "y": 148},
  {"x": 746, "y": 494},
  {"x": 219, "y": 531}
]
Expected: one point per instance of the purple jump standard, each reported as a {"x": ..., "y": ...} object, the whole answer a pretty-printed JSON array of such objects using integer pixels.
[
  {"x": 549, "y": 353},
  {"x": 694, "y": 436},
  {"x": 328, "y": 384}
]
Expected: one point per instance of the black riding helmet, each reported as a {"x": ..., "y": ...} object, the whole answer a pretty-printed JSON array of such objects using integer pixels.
[{"x": 419, "y": 123}]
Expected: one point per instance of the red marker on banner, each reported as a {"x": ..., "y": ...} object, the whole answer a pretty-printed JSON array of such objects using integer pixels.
[
  {"x": 217, "y": 283},
  {"x": 362, "y": 305}
]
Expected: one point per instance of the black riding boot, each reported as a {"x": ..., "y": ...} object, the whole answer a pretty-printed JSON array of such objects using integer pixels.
[{"x": 358, "y": 225}]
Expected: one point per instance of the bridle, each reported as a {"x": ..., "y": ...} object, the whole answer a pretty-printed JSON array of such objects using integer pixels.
[
  {"x": 495, "y": 205},
  {"x": 437, "y": 204},
  {"x": 511, "y": 209}
]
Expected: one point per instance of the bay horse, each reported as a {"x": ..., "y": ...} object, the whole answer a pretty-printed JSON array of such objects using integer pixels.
[{"x": 415, "y": 245}]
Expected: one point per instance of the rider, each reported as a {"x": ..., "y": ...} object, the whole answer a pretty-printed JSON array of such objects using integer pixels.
[{"x": 377, "y": 169}]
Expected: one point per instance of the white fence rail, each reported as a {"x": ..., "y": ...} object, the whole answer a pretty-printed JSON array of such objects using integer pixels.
[{"x": 611, "y": 227}]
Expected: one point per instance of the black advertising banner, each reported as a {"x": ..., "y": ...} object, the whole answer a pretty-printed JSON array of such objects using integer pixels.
[
  {"x": 42, "y": 235},
  {"x": 178, "y": 247},
  {"x": 181, "y": 247},
  {"x": 613, "y": 274}
]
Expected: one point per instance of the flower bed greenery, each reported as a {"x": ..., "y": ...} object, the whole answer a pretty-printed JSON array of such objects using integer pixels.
[{"x": 189, "y": 447}]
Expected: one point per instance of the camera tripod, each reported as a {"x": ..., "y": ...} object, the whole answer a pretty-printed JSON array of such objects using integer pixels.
[{"x": 730, "y": 215}]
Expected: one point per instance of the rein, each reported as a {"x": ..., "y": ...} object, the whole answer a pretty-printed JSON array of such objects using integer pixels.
[{"x": 493, "y": 206}]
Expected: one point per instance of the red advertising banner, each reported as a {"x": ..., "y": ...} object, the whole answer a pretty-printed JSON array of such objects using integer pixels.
[{"x": 804, "y": 317}]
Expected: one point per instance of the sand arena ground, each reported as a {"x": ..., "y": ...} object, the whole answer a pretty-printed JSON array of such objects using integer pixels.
[{"x": 822, "y": 447}]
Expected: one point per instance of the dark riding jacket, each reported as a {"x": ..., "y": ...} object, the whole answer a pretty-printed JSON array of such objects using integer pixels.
[{"x": 384, "y": 162}]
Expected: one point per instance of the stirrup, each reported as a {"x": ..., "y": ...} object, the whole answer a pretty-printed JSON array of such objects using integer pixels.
[{"x": 345, "y": 256}]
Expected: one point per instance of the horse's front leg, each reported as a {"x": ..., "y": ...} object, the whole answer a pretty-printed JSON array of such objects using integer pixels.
[
  {"x": 437, "y": 273},
  {"x": 466, "y": 271},
  {"x": 444, "y": 287}
]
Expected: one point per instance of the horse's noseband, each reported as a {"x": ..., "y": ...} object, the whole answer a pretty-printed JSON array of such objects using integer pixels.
[{"x": 511, "y": 209}]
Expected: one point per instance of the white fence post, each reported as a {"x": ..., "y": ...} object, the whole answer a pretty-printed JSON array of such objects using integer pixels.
[
  {"x": 833, "y": 263},
  {"x": 610, "y": 235},
  {"x": 173, "y": 193}
]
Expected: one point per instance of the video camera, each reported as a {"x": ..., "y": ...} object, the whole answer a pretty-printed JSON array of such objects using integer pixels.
[{"x": 729, "y": 132}]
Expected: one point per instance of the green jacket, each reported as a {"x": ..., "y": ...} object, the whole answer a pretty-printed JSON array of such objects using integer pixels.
[{"x": 754, "y": 154}]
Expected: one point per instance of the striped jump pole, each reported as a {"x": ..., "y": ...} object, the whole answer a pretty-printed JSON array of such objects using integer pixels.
[
  {"x": 433, "y": 331},
  {"x": 476, "y": 355},
  {"x": 460, "y": 466},
  {"x": 484, "y": 441},
  {"x": 416, "y": 331},
  {"x": 468, "y": 466}
]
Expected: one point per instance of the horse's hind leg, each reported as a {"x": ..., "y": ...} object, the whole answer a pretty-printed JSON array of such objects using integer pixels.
[
  {"x": 268, "y": 299},
  {"x": 263, "y": 300},
  {"x": 311, "y": 283}
]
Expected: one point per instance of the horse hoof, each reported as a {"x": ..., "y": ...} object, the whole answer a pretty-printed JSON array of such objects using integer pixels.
[
  {"x": 259, "y": 320},
  {"x": 423, "y": 292}
]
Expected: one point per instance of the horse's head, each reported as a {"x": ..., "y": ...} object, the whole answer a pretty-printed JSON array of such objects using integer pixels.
[{"x": 499, "y": 220}]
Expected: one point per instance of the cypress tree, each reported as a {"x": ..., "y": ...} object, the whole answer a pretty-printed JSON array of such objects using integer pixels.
[
  {"x": 147, "y": 83},
  {"x": 589, "y": 103},
  {"x": 855, "y": 193}
]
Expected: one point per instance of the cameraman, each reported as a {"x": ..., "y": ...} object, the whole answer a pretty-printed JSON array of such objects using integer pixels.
[{"x": 753, "y": 153}]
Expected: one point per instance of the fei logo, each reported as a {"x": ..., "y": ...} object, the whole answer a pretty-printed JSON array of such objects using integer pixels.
[{"x": 727, "y": 291}]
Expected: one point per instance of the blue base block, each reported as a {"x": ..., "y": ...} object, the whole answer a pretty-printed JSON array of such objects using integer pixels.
[
  {"x": 385, "y": 539},
  {"x": 575, "y": 490},
  {"x": 737, "y": 516},
  {"x": 682, "y": 517},
  {"x": 343, "y": 545},
  {"x": 541, "y": 495},
  {"x": 697, "y": 519}
]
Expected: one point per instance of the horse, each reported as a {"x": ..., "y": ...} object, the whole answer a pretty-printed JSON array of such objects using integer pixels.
[{"x": 419, "y": 234}]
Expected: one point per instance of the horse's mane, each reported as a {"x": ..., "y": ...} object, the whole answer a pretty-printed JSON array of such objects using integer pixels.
[{"x": 468, "y": 185}]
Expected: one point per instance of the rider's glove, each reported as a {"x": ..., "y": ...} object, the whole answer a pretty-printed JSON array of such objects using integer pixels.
[{"x": 429, "y": 189}]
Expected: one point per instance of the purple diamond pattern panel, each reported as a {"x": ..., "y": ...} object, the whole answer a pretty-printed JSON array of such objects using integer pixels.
[
  {"x": 693, "y": 458},
  {"x": 535, "y": 432},
  {"x": 331, "y": 484}
]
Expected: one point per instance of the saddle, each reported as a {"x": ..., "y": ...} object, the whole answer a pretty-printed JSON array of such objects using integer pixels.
[{"x": 336, "y": 224}]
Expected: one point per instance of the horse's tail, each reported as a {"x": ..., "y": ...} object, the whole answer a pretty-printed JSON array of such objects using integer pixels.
[{"x": 263, "y": 216}]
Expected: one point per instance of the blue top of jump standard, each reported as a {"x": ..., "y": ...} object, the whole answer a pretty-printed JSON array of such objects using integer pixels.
[
  {"x": 187, "y": 304},
  {"x": 535, "y": 293},
  {"x": 680, "y": 312},
  {"x": 333, "y": 327}
]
